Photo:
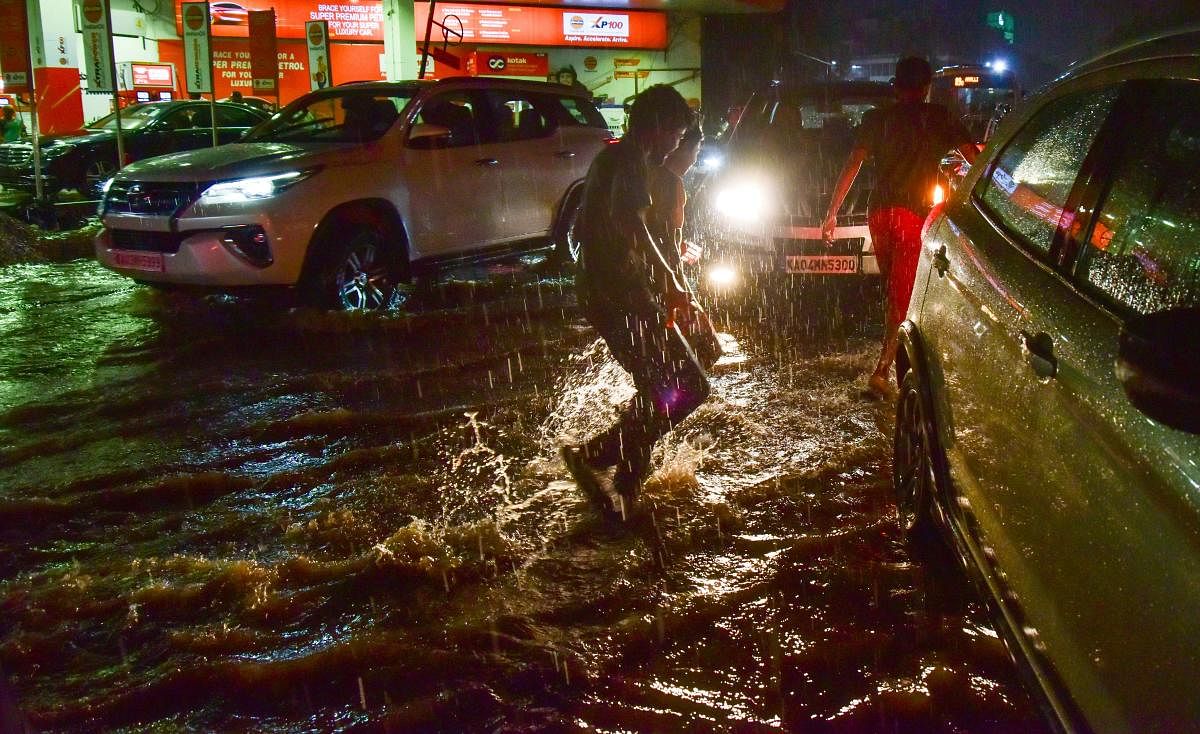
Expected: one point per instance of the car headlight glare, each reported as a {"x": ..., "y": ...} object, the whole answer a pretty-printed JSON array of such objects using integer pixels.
[
  {"x": 254, "y": 188},
  {"x": 746, "y": 201},
  {"x": 722, "y": 276}
]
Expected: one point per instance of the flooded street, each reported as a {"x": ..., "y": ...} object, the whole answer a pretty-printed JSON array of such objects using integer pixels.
[{"x": 228, "y": 515}]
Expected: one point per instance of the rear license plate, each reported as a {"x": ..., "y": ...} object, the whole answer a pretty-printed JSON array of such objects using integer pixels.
[
  {"x": 823, "y": 264},
  {"x": 149, "y": 261}
]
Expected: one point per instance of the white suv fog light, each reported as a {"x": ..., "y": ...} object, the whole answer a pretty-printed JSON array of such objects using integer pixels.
[{"x": 249, "y": 242}]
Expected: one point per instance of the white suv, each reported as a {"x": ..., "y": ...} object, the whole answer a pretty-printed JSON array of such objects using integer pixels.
[{"x": 350, "y": 191}]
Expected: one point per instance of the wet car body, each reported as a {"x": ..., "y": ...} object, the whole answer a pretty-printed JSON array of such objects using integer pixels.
[
  {"x": 763, "y": 208},
  {"x": 85, "y": 159},
  {"x": 1046, "y": 420},
  {"x": 351, "y": 191}
]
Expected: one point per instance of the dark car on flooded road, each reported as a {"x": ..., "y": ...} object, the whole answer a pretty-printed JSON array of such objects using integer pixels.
[
  {"x": 85, "y": 159},
  {"x": 761, "y": 210},
  {"x": 1049, "y": 401}
]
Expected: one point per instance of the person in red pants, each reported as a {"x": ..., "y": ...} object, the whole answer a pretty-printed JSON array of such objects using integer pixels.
[{"x": 907, "y": 141}]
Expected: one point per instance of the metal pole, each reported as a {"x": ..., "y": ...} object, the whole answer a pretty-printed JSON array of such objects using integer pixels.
[
  {"x": 425, "y": 48},
  {"x": 212, "y": 112},
  {"x": 112, "y": 70},
  {"x": 38, "y": 186}
]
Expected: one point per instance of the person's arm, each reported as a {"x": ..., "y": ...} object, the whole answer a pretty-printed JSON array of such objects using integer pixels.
[
  {"x": 660, "y": 273},
  {"x": 968, "y": 151},
  {"x": 844, "y": 182}
]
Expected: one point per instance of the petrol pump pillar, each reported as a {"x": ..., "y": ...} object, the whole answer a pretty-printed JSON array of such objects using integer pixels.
[{"x": 399, "y": 40}]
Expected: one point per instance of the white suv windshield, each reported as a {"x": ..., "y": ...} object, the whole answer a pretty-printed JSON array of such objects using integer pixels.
[{"x": 344, "y": 116}]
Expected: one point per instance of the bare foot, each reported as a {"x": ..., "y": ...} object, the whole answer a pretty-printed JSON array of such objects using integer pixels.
[{"x": 881, "y": 388}]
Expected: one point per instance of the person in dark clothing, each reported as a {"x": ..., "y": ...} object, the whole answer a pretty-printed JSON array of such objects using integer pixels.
[
  {"x": 907, "y": 141},
  {"x": 629, "y": 292},
  {"x": 665, "y": 219}
]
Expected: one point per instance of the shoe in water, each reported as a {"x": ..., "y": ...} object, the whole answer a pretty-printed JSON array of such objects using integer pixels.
[{"x": 596, "y": 485}]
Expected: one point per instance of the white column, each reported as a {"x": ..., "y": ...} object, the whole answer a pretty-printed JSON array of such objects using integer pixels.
[{"x": 399, "y": 40}]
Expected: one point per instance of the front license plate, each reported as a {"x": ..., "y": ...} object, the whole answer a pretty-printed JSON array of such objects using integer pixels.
[
  {"x": 823, "y": 264},
  {"x": 149, "y": 261}
]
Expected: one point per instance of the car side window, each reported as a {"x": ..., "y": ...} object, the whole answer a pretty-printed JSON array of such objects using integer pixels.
[
  {"x": 517, "y": 116},
  {"x": 231, "y": 117},
  {"x": 186, "y": 118},
  {"x": 458, "y": 112},
  {"x": 1143, "y": 251},
  {"x": 1027, "y": 186}
]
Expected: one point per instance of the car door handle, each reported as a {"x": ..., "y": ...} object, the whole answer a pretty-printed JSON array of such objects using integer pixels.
[
  {"x": 487, "y": 162},
  {"x": 941, "y": 263},
  {"x": 1039, "y": 353},
  {"x": 565, "y": 154}
]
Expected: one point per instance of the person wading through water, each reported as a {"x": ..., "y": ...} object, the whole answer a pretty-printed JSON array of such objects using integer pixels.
[
  {"x": 630, "y": 294},
  {"x": 907, "y": 141}
]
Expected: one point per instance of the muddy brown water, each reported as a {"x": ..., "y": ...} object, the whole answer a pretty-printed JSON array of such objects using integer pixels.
[{"x": 222, "y": 515}]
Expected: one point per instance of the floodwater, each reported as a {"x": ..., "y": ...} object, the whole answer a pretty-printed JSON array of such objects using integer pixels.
[{"x": 221, "y": 515}]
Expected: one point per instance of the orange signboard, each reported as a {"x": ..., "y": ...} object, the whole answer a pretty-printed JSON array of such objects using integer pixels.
[
  {"x": 231, "y": 64},
  {"x": 14, "y": 46},
  {"x": 507, "y": 63},
  {"x": 264, "y": 64},
  {"x": 537, "y": 26},
  {"x": 349, "y": 20}
]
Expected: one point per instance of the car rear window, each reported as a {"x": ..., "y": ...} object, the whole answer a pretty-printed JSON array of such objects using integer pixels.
[
  {"x": 347, "y": 115},
  {"x": 579, "y": 111}
]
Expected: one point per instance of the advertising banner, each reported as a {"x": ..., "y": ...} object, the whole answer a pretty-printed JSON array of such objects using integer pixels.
[
  {"x": 264, "y": 62},
  {"x": 541, "y": 26},
  {"x": 197, "y": 45},
  {"x": 501, "y": 63},
  {"x": 97, "y": 47},
  {"x": 320, "y": 69},
  {"x": 231, "y": 64},
  {"x": 349, "y": 20},
  {"x": 14, "y": 46},
  {"x": 152, "y": 75}
]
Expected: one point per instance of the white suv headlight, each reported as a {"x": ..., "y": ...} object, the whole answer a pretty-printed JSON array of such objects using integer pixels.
[{"x": 251, "y": 189}]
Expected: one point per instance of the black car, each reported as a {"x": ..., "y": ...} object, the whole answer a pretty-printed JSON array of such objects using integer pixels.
[{"x": 85, "y": 159}]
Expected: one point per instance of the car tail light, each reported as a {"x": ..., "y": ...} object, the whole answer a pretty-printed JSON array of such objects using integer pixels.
[{"x": 939, "y": 194}]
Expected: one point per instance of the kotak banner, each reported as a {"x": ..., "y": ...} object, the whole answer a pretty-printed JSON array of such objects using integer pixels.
[
  {"x": 540, "y": 26},
  {"x": 319, "y": 67},
  {"x": 97, "y": 47},
  {"x": 500, "y": 63},
  {"x": 197, "y": 48},
  {"x": 264, "y": 65},
  {"x": 14, "y": 46}
]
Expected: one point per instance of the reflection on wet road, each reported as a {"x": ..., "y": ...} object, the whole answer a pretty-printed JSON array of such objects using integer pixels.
[{"x": 228, "y": 515}]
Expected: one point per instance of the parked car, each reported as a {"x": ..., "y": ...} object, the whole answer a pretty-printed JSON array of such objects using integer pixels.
[
  {"x": 761, "y": 207},
  {"x": 85, "y": 159},
  {"x": 1050, "y": 387},
  {"x": 349, "y": 191}
]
